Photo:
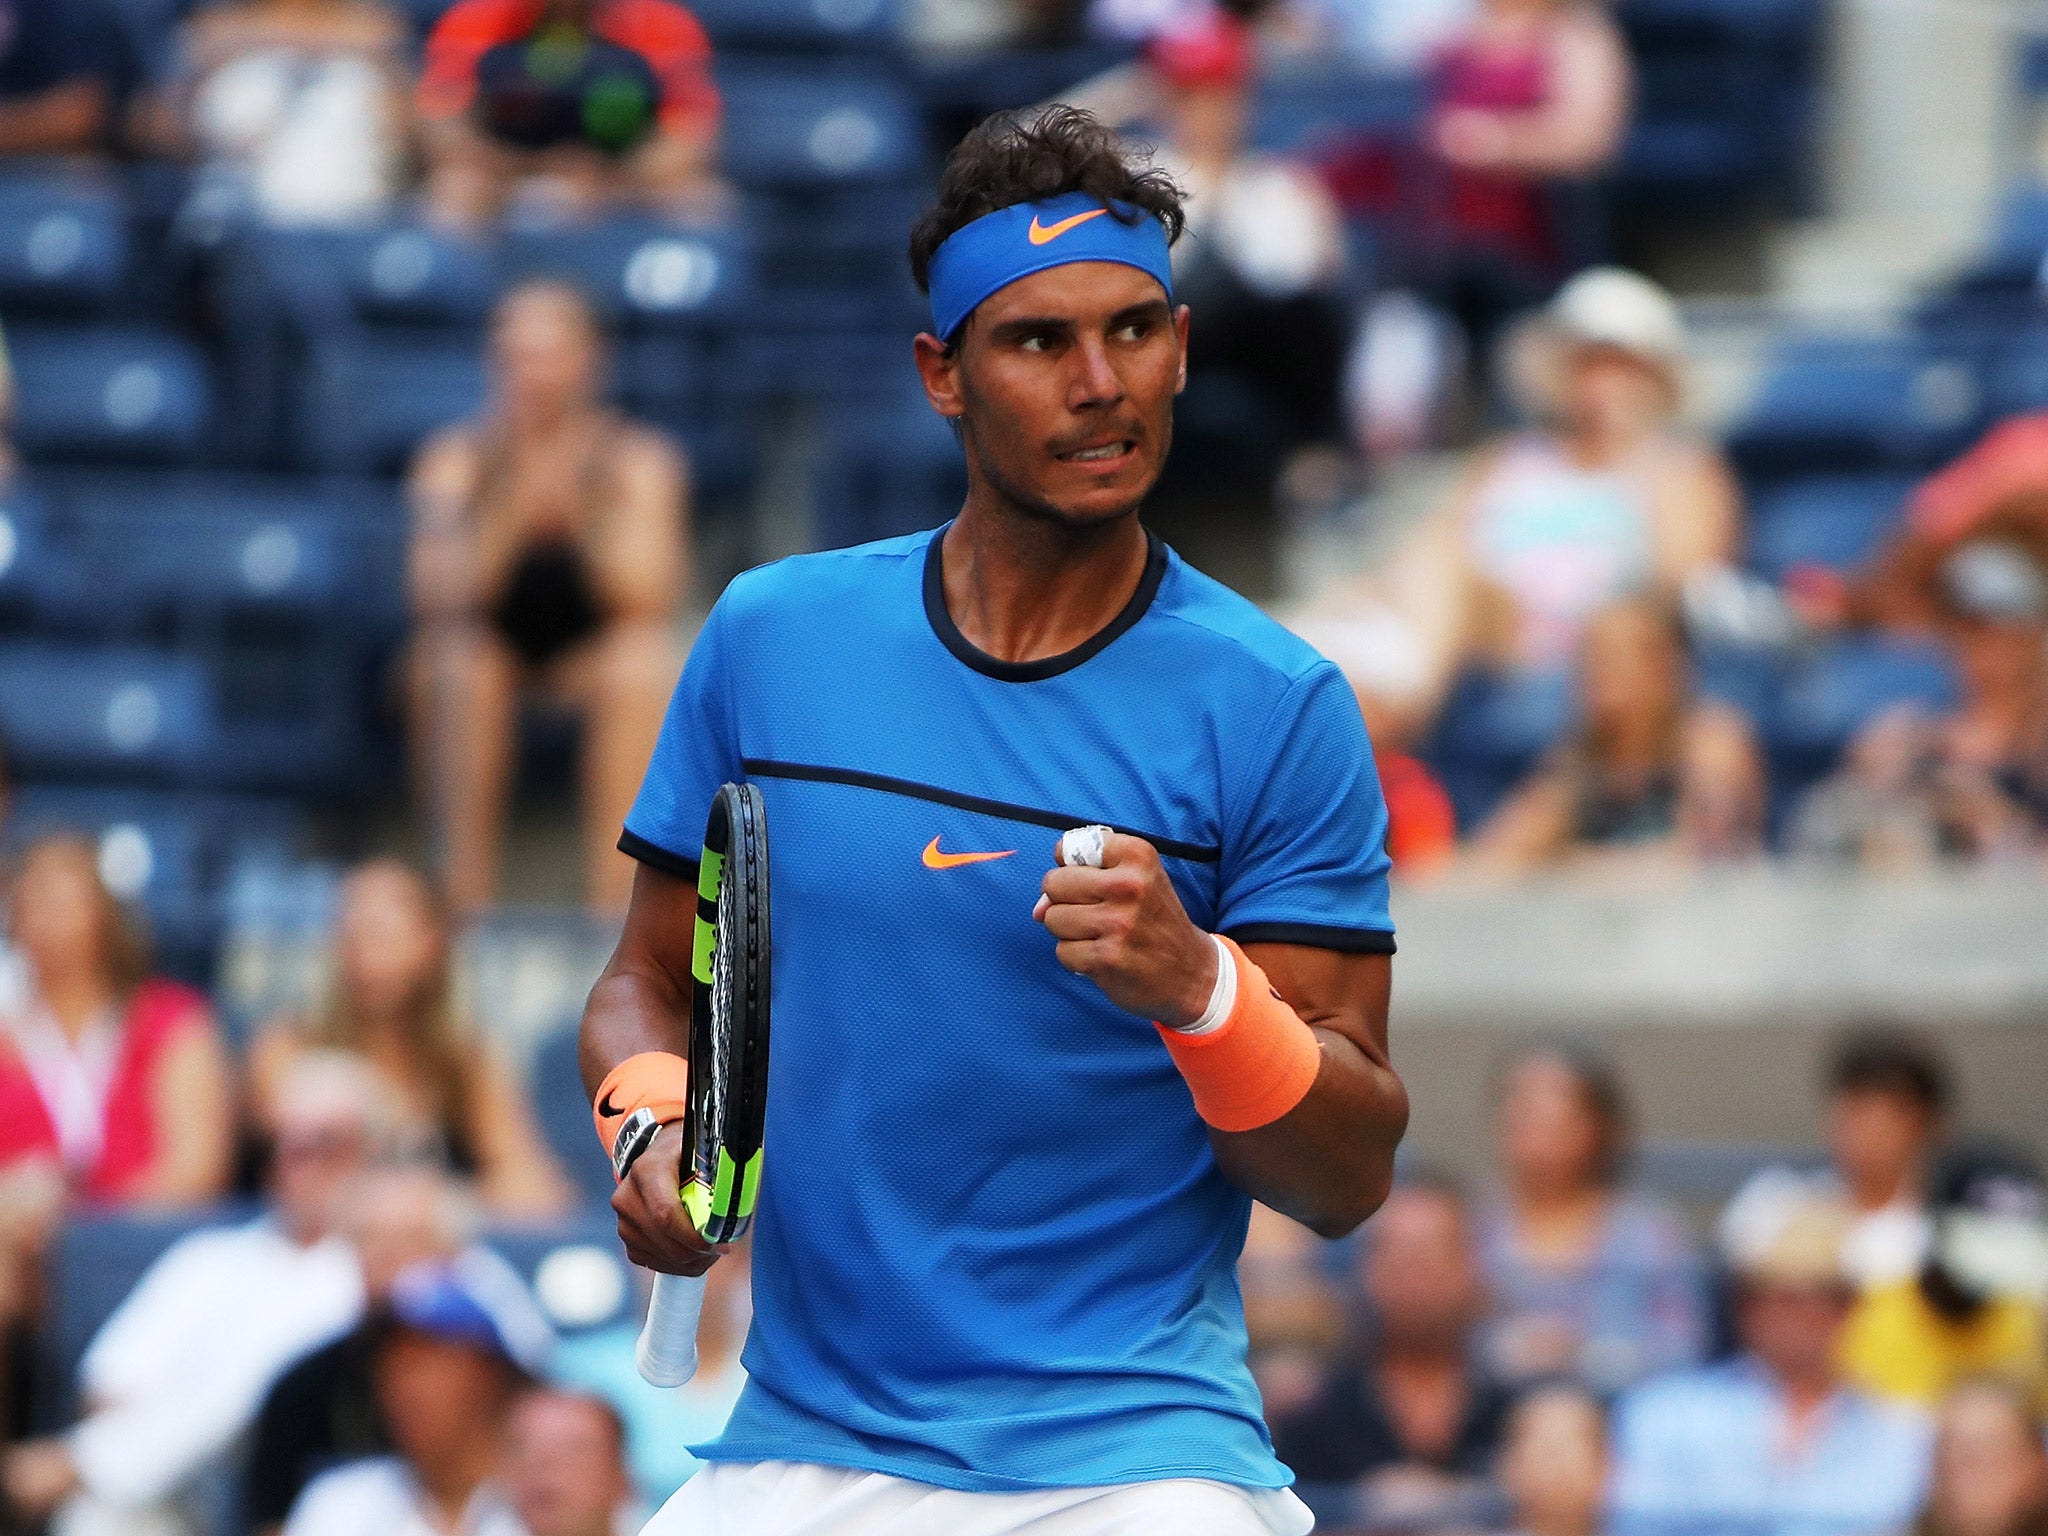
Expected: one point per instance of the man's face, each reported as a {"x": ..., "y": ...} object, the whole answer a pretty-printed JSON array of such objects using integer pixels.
[
  {"x": 565, "y": 1465},
  {"x": 1064, "y": 383},
  {"x": 1793, "y": 1327}
]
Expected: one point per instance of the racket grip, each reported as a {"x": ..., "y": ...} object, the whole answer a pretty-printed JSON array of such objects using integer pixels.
[{"x": 667, "y": 1355}]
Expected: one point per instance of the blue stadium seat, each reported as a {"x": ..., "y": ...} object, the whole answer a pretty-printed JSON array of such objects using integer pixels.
[
  {"x": 836, "y": 25},
  {"x": 120, "y": 394},
  {"x": 1306, "y": 111},
  {"x": 94, "y": 1264},
  {"x": 1836, "y": 692},
  {"x": 886, "y": 469},
  {"x": 115, "y": 712},
  {"x": 368, "y": 402},
  {"x": 1831, "y": 404},
  {"x": 412, "y": 275},
  {"x": 555, "y": 1084},
  {"x": 852, "y": 367},
  {"x": 642, "y": 274},
  {"x": 576, "y": 1299},
  {"x": 2019, "y": 379},
  {"x": 1833, "y": 521},
  {"x": 29, "y": 556},
  {"x": 1491, "y": 732},
  {"x": 2011, "y": 260},
  {"x": 63, "y": 245},
  {"x": 792, "y": 129}
]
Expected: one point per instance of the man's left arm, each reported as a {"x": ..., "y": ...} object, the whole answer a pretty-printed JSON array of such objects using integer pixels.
[{"x": 1328, "y": 1160}]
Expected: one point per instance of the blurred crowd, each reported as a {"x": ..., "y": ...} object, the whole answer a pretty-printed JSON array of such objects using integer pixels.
[
  {"x": 335, "y": 1347},
  {"x": 1859, "y": 1347},
  {"x": 1852, "y": 1343}
]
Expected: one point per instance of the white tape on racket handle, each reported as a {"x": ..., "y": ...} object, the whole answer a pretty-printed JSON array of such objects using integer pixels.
[
  {"x": 1081, "y": 848},
  {"x": 667, "y": 1355}
]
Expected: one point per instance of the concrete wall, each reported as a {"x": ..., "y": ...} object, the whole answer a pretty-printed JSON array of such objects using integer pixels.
[{"x": 1719, "y": 998}]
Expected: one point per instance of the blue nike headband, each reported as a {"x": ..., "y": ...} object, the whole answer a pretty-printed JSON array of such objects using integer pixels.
[{"x": 999, "y": 248}]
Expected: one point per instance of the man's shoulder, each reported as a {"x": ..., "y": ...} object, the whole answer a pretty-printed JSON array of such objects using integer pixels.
[
  {"x": 798, "y": 583},
  {"x": 655, "y": 24},
  {"x": 1683, "y": 1397},
  {"x": 485, "y": 21},
  {"x": 1234, "y": 628}
]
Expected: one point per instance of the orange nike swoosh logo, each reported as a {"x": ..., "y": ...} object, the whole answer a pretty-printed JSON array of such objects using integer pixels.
[
  {"x": 1041, "y": 235},
  {"x": 933, "y": 859}
]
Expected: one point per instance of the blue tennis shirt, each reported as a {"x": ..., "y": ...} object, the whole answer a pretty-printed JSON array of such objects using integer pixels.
[{"x": 993, "y": 1249}]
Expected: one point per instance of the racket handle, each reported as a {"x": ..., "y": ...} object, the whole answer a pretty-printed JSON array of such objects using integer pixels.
[{"x": 667, "y": 1355}]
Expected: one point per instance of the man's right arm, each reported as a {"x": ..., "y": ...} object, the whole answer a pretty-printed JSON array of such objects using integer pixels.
[{"x": 642, "y": 1003}]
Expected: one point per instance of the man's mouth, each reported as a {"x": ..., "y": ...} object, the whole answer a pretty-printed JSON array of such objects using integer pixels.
[{"x": 1100, "y": 453}]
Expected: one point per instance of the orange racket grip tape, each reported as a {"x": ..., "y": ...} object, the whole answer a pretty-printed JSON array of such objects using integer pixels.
[
  {"x": 653, "y": 1080},
  {"x": 1257, "y": 1065}
]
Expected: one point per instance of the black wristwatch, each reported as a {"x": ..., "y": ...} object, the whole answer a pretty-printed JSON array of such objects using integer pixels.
[{"x": 634, "y": 1137}]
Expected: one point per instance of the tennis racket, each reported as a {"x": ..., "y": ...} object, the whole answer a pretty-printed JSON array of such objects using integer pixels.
[{"x": 728, "y": 1067}]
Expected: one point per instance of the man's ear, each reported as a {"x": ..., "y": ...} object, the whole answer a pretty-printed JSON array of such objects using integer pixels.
[
  {"x": 1181, "y": 316},
  {"x": 938, "y": 367}
]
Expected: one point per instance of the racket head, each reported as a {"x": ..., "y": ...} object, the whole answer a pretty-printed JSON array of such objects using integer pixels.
[{"x": 731, "y": 962}]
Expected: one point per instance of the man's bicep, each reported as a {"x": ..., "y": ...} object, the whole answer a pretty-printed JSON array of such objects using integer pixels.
[{"x": 1334, "y": 989}]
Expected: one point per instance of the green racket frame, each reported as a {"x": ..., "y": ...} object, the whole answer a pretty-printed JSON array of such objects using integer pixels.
[{"x": 731, "y": 963}]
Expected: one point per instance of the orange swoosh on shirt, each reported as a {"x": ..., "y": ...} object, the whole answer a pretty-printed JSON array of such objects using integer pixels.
[
  {"x": 933, "y": 859},
  {"x": 1042, "y": 235}
]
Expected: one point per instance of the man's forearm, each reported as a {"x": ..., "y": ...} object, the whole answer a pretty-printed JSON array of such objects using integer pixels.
[
  {"x": 1329, "y": 1161},
  {"x": 631, "y": 1009},
  {"x": 65, "y": 117}
]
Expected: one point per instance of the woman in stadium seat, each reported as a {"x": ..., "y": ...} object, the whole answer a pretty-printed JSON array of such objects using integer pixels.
[
  {"x": 550, "y": 558},
  {"x": 1649, "y": 777},
  {"x": 1607, "y": 497},
  {"x": 114, "y": 1085},
  {"x": 390, "y": 1001},
  {"x": 1589, "y": 1280}
]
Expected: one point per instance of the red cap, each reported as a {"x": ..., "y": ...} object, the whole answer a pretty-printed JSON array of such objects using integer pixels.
[{"x": 1214, "y": 51}]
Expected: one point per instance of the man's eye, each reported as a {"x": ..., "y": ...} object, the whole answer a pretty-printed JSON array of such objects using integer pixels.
[
  {"x": 1137, "y": 330},
  {"x": 1036, "y": 343}
]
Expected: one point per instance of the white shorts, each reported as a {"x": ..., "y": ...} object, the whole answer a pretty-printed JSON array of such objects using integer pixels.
[{"x": 791, "y": 1498}]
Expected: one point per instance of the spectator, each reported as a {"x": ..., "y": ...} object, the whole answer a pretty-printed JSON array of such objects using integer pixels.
[
  {"x": 1888, "y": 1098},
  {"x": 1264, "y": 255},
  {"x": 1773, "y": 1441},
  {"x": 572, "y": 107},
  {"x": 60, "y": 77},
  {"x": 295, "y": 109},
  {"x": 446, "y": 1370},
  {"x": 566, "y": 1466},
  {"x": 1553, "y": 1466},
  {"x": 114, "y": 1086},
  {"x": 1997, "y": 493},
  {"x": 1990, "y": 1467},
  {"x": 662, "y": 1424},
  {"x": 180, "y": 1369},
  {"x": 1607, "y": 499},
  {"x": 392, "y": 1004},
  {"x": 1588, "y": 1279},
  {"x": 1975, "y": 1307},
  {"x": 1531, "y": 98},
  {"x": 1650, "y": 777},
  {"x": 1413, "y": 1421},
  {"x": 323, "y": 1411},
  {"x": 550, "y": 555},
  {"x": 1971, "y": 784}
]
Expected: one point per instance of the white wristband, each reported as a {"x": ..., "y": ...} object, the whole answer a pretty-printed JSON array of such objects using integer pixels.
[{"x": 1222, "y": 997}]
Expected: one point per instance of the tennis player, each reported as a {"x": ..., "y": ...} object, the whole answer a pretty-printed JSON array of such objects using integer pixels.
[{"x": 1018, "y": 1108}]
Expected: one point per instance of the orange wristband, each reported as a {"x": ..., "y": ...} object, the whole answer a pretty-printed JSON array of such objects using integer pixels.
[
  {"x": 658, "y": 1081},
  {"x": 1254, "y": 1067}
]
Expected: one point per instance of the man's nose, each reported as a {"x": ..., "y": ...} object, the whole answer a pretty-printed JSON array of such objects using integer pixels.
[{"x": 1095, "y": 381}]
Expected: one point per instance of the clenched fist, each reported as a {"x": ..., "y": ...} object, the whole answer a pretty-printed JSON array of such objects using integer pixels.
[{"x": 1123, "y": 927}]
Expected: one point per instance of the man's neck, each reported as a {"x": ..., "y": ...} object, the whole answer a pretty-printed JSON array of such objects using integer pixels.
[{"x": 1024, "y": 588}]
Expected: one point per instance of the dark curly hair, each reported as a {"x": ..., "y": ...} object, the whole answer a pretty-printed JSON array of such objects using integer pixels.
[{"x": 1017, "y": 157}]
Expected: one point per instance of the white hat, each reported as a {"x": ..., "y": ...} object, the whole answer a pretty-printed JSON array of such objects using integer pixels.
[{"x": 1613, "y": 307}]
